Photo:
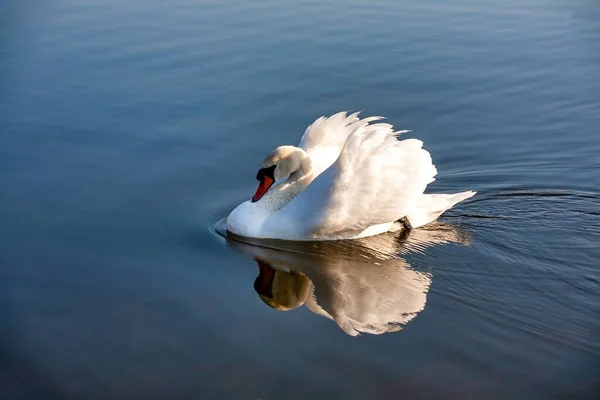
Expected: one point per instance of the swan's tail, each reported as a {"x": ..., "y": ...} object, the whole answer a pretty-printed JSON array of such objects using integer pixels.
[{"x": 430, "y": 206}]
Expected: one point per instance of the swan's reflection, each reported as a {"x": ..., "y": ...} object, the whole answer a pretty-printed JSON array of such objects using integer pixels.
[{"x": 363, "y": 285}]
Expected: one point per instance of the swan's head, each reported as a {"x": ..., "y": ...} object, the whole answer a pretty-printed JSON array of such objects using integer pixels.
[
  {"x": 279, "y": 164},
  {"x": 279, "y": 289}
]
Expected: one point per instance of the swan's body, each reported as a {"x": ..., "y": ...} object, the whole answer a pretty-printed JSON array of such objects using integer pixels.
[{"x": 348, "y": 178}]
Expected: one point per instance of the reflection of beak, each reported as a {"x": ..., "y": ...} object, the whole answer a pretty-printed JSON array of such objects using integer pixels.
[
  {"x": 263, "y": 186},
  {"x": 264, "y": 281}
]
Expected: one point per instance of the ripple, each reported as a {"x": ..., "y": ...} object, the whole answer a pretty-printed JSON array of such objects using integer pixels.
[{"x": 215, "y": 226}]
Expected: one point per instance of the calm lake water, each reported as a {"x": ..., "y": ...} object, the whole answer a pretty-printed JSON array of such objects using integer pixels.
[{"x": 130, "y": 129}]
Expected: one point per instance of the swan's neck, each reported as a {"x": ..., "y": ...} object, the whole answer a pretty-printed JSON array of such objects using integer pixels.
[
  {"x": 283, "y": 193},
  {"x": 248, "y": 218}
]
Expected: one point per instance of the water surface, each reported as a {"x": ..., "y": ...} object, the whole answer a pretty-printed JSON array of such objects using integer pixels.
[{"x": 130, "y": 129}]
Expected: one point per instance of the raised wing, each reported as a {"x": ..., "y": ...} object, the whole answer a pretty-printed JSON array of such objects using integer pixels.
[
  {"x": 376, "y": 179},
  {"x": 324, "y": 139}
]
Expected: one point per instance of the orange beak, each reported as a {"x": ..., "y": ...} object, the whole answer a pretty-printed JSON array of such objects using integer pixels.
[{"x": 263, "y": 186}]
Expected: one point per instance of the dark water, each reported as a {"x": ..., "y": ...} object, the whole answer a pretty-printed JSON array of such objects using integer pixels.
[{"x": 130, "y": 129}]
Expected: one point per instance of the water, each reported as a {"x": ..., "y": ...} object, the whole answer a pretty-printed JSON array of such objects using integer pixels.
[{"x": 131, "y": 129}]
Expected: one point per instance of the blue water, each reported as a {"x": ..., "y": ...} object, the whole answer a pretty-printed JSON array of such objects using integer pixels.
[{"x": 130, "y": 129}]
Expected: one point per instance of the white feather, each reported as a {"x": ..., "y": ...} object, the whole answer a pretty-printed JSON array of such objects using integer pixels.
[
  {"x": 376, "y": 181},
  {"x": 430, "y": 206},
  {"x": 324, "y": 139}
]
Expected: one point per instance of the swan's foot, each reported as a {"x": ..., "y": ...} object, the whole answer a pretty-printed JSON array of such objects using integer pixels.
[{"x": 404, "y": 221}]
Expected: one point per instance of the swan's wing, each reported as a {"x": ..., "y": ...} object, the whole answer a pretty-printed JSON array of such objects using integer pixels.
[
  {"x": 324, "y": 139},
  {"x": 377, "y": 179}
]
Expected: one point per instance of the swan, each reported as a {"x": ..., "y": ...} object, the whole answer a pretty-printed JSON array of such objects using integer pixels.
[{"x": 348, "y": 178}]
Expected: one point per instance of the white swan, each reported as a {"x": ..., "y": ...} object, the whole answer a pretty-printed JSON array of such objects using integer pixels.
[{"x": 348, "y": 178}]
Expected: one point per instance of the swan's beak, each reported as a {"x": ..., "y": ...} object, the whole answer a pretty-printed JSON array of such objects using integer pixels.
[{"x": 263, "y": 186}]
